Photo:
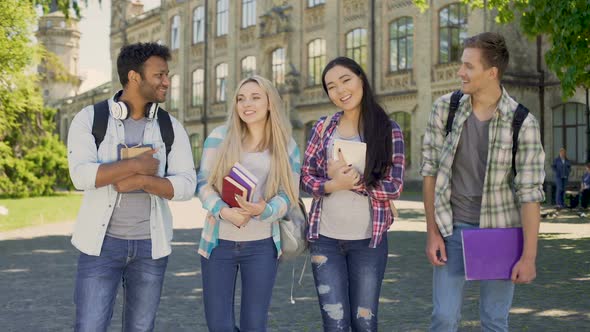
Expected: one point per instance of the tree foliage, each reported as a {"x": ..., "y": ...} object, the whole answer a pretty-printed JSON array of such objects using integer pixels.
[
  {"x": 33, "y": 159},
  {"x": 565, "y": 22}
]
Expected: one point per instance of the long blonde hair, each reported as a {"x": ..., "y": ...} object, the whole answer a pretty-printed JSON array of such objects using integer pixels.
[{"x": 277, "y": 134}]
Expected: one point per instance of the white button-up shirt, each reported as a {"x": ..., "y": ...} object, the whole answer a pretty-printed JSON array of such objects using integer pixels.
[{"x": 98, "y": 203}]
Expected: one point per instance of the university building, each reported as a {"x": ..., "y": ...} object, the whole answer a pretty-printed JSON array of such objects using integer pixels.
[{"x": 410, "y": 58}]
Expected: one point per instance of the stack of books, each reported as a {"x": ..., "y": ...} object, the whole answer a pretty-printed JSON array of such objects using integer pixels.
[{"x": 240, "y": 182}]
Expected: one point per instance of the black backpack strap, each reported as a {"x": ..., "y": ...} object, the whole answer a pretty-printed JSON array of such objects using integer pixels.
[
  {"x": 167, "y": 133},
  {"x": 519, "y": 115},
  {"x": 101, "y": 121},
  {"x": 454, "y": 106}
]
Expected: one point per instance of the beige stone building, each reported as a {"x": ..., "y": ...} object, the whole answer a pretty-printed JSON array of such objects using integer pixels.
[{"x": 411, "y": 58}]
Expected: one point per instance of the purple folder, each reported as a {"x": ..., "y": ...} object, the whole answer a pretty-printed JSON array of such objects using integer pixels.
[{"x": 491, "y": 253}]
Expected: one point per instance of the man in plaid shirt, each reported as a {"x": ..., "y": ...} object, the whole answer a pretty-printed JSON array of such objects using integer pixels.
[{"x": 469, "y": 183}]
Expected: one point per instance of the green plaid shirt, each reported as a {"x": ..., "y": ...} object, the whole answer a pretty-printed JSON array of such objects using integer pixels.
[{"x": 503, "y": 193}]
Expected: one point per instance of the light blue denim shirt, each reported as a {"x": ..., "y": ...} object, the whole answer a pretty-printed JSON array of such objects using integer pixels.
[{"x": 98, "y": 203}]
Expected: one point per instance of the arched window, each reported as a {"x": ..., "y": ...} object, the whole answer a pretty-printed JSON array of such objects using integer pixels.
[
  {"x": 222, "y": 17},
  {"x": 569, "y": 131},
  {"x": 248, "y": 66},
  {"x": 175, "y": 33},
  {"x": 404, "y": 120},
  {"x": 316, "y": 61},
  {"x": 174, "y": 92},
  {"x": 278, "y": 67},
  {"x": 452, "y": 32},
  {"x": 248, "y": 13},
  {"x": 197, "y": 148},
  {"x": 356, "y": 46},
  {"x": 198, "y": 87},
  {"x": 401, "y": 44},
  {"x": 199, "y": 25},
  {"x": 220, "y": 82}
]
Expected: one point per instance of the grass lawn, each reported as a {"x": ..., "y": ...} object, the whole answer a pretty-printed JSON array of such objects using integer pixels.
[{"x": 39, "y": 210}]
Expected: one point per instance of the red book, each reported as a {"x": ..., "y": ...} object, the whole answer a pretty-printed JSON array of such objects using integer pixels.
[{"x": 231, "y": 188}]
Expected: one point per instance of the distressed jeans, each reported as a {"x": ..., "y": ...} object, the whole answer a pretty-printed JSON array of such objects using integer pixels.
[
  {"x": 98, "y": 279},
  {"x": 348, "y": 276},
  {"x": 447, "y": 292}
]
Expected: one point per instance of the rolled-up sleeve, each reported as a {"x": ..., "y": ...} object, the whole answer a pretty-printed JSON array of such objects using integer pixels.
[
  {"x": 82, "y": 154},
  {"x": 209, "y": 197},
  {"x": 312, "y": 182},
  {"x": 433, "y": 139},
  {"x": 530, "y": 159},
  {"x": 181, "y": 166}
]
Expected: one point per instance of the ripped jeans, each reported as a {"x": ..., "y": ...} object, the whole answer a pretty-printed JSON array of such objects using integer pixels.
[{"x": 348, "y": 276}]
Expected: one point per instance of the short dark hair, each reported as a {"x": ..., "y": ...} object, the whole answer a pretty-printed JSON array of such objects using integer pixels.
[
  {"x": 133, "y": 56},
  {"x": 493, "y": 50}
]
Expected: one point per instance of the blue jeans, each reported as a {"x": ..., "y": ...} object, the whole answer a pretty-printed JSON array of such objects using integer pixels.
[
  {"x": 560, "y": 185},
  {"x": 447, "y": 291},
  {"x": 97, "y": 283},
  {"x": 348, "y": 276},
  {"x": 257, "y": 261}
]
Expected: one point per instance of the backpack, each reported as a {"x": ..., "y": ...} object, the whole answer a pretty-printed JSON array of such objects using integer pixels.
[
  {"x": 519, "y": 115},
  {"x": 101, "y": 120}
]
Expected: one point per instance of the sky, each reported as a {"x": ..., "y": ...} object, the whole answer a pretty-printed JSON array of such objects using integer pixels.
[{"x": 95, "y": 58}]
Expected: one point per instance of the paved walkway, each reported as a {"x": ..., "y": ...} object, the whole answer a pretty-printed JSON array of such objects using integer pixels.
[{"x": 37, "y": 271}]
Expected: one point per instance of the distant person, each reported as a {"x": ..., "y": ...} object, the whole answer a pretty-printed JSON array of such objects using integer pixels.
[
  {"x": 561, "y": 171},
  {"x": 246, "y": 238},
  {"x": 585, "y": 188},
  {"x": 469, "y": 183},
  {"x": 124, "y": 227},
  {"x": 350, "y": 212}
]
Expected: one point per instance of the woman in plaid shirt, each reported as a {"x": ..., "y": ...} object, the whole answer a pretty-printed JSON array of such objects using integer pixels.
[{"x": 350, "y": 212}]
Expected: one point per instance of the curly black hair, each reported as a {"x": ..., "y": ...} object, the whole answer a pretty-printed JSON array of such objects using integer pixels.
[{"x": 133, "y": 56}]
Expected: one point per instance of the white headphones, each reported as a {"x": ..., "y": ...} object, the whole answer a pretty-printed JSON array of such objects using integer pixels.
[{"x": 120, "y": 110}]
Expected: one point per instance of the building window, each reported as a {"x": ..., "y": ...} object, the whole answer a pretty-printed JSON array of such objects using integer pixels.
[
  {"x": 313, "y": 3},
  {"x": 198, "y": 87},
  {"x": 222, "y": 17},
  {"x": 248, "y": 13},
  {"x": 316, "y": 61},
  {"x": 199, "y": 25},
  {"x": 569, "y": 131},
  {"x": 220, "y": 82},
  {"x": 401, "y": 44},
  {"x": 278, "y": 67},
  {"x": 248, "y": 66},
  {"x": 175, "y": 33},
  {"x": 174, "y": 91},
  {"x": 356, "y": 46},
  {"x": 452, "y": 32},
  {"x": 197, "y": 148},
  {"x": 404, "y": 120}
]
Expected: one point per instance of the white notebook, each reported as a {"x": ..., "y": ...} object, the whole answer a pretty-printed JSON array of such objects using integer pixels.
[{"x": 354, "y": 153}]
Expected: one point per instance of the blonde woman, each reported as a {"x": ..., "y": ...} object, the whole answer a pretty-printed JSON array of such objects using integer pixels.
[{"x": 246, "y": 238}]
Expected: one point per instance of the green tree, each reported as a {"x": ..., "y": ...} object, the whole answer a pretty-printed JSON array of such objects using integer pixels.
[
  {"x": 565, "y": 22},
  {"x": 33, "y": 159}
]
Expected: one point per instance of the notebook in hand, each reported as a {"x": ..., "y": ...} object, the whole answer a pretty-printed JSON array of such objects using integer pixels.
[
  {"x": 491, "y": 253},
  {"x": 231, "y": 188},
  {"x": 354, "y": 153},
  {"x": 125, "y": 152}
]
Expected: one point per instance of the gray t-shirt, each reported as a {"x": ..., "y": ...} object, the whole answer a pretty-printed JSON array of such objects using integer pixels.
[
  {"x": 469, "y": 170},
  {"x": 345, "y": 214},
  {"x": 131, "y": 216},
  {"x": 258, "y": 163}
]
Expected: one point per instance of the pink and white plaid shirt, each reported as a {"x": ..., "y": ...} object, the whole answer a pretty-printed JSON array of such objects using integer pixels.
[{"x": 314, "y": 175}]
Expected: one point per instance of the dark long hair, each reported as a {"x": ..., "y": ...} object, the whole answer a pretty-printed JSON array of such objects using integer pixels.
[{"x": 374, "y": 125}]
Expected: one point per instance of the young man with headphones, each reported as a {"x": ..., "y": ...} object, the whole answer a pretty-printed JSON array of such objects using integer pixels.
[{"x": 124, "y": 226}]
